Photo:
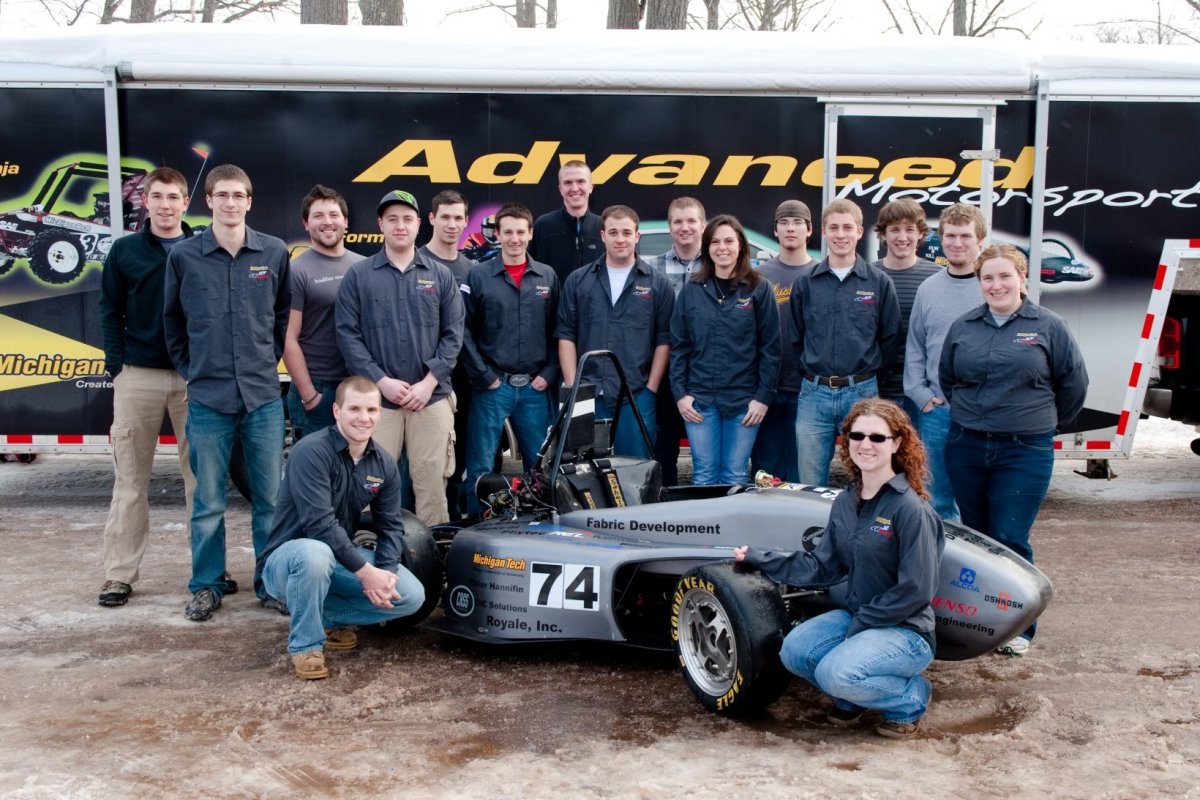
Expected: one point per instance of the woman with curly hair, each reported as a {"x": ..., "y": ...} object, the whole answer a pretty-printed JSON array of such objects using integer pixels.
[{"x": 885, "y": 541}]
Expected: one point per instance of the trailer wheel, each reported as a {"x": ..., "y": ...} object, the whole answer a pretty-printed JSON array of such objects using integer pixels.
[
  {"x": 56, "y": 257},
  {"x": 728, "y": 625}
]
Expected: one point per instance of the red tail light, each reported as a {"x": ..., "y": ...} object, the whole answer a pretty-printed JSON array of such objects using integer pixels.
[{"x": 1170, "y": 344}]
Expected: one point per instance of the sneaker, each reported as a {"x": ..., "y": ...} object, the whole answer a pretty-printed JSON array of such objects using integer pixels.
[
  {"x": 1017, "y": 647},
  {"x": 310, "y": 665},
  {"x": 841, "y": 718},
  {"x": 204, "y": 603},
  {"x": 340, "y": 639},
  {"x": 115, "y": 593},
  {"x": 898, "y": 730},
  {"x": 274, "y": 605},
  {"x": 231, "y": 586}
]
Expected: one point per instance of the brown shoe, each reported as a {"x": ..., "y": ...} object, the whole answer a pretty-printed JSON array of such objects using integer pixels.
[
  {"x": 898, "y": 730},
  {"x": 310, "y": 665},
  {"x": 340, "y": 639},
  {"x": 841, "y": 718}
]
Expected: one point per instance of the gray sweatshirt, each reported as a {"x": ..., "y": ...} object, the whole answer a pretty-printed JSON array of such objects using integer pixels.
[{"x": 940, "y": 300}]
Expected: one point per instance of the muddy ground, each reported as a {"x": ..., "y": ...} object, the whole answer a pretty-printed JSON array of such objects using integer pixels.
[{"x": 139, "y": 702}]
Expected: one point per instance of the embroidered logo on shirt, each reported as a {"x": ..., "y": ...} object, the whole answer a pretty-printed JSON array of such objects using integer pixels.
[
  {"x": 1026, "y": 338},
  {"x": 883, "y": 527},
  {"x": 541, "y": 291},
  {"x": 426, "y": 285},
  {"x": 260, "y": 272},
  {"x": 642, "y": 291},
  {"x": 373, "y": 484},
  {"x": 745, "y": 305},
  {"x": 864, "y": 297}
]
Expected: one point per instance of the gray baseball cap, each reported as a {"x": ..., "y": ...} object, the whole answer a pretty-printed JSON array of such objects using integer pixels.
[{"x": 396, "y": 196}]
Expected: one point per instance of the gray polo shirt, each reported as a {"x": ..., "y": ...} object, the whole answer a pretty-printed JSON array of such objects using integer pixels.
[
  {"x": 782, "y": 276},
  {"x": 225, "y": 318},
  {"x": 639, "y": 322},
  {"x": 400, "y": 324},
  {"x": 844, "y": 327},
  {"x": 1024, "y": 377},
  {"x": 316, "y": 279},
  {"x": 510, "y": 329}
]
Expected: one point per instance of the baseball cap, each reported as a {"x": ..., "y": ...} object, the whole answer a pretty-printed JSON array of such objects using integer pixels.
[
  {"x": 396, "y": 196},
  {"x": 793, "y": 208}
]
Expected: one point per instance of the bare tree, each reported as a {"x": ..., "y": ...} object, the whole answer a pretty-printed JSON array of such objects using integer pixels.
[
  {"x": 142, "y": 10},
  {"x": 382, "y": 12},
  {"x": 965, "y": 17},
  {"x": 522, "y": 12},
  {"x": 712, "y": 19},
  {"x": 625, "y": 13},
  {"x": 666, "y": 15},
  {"x": 324, "y": 12},
  {"x": 781, "y": 15},
  {"x": 1164, "y": 28}
]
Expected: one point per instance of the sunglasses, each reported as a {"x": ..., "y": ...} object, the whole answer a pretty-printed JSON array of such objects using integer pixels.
[{"x": 877, "y": 438}]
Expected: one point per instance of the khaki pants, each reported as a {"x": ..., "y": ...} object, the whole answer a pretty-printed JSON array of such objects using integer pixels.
[
  {"x": 140, "y": 398},
  {"x": 428, "y": 436}
]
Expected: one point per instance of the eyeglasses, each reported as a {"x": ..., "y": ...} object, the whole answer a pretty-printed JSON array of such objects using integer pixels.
[
  {"x": 221, "y": 197},
  {"x": 877, "y": 438}
]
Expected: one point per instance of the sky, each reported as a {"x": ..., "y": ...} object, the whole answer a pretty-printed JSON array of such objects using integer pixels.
[{"x": 1063, "y": 20}]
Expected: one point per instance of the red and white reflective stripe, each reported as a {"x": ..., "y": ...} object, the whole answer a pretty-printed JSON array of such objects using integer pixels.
[{"x": 67, "y": 442}]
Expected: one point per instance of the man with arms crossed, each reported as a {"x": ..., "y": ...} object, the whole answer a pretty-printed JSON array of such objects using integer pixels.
[
  {"x": 901, "y": 227},
  {"x": 226, "y": 303},
  {"x": 942, "y": 298},
  {"x": 568, "y": 238},
  {"x": 619, "y": 303},
  {"x": 400, "y": 322},
  {"x": 448, "y": 216},
  {"x": 775, "y": 447},
  {"x": 310, "y": 351},
  {"x": 310, "y": 561},
  {"x": 685, "y": 220},
  {"x": 509, "y": 348},
  {"x": 145, "y": 383},
  {"x": 847, "y": 328}
]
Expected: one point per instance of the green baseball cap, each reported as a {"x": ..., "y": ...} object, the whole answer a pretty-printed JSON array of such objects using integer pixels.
[{"x": 396, "y": 196}]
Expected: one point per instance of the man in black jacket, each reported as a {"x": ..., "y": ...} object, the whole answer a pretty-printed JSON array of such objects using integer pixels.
[
  {"x": 310, "y": 563},
  {"x": 145, "y": 383},
  {"x": 568, "y": 238}
]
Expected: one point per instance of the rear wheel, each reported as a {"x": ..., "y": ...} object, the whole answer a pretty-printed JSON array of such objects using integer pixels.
[
  {"x": 56, "y": 257},
  {"x": 728, "y": 625},
  {"x": 422, "y": 559}
]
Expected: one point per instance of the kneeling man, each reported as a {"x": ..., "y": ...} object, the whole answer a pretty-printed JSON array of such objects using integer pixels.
[{"x": 310, "y": 562}]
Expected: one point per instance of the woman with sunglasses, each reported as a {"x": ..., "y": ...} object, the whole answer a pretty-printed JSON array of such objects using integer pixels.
[
  {"x": 1013, "y": 376},
  {"x": 886, "y": 542},
  {"x": 725, "y": 354}
]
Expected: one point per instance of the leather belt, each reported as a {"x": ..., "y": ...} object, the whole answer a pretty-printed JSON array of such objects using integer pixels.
[{"x": 839, "y": 381}]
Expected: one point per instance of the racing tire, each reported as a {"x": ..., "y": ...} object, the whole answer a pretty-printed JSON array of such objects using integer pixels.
[
  {"x": 423, "y": 560},
  {"x": 56, "y": 257},
  {"x": 728, "y": 623}
]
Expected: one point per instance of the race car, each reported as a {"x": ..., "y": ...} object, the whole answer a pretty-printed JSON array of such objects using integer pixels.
[{"x": 591, "y": 546}]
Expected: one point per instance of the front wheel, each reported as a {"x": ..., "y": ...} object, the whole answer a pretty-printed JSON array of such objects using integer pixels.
[
  {"x": 422, "y": 559},
  {"x": 728, "y": 624},
  {"x": 56, "y": 257}
]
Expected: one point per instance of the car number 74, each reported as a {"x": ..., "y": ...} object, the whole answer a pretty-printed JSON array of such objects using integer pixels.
[{"x": 571, "y": 586}]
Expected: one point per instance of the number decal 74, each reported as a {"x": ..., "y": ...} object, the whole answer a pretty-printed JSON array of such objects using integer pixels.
[{"x": 569, "y": 586}]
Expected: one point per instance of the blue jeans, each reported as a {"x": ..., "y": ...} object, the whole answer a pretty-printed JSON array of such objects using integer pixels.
[
  {"x": 529, "y": 411},
  {"x": 934, "y": 426},
  {"x": 628, "y": 439},
  {"x": 1000, "y": 481},
  {"x": 820, "y": 413},
  {"x": 320, "y": 593},
  {"x": 775, "y": 448},
  {"x": 877, "y": 668},
  {"x": 210, "y": 435},
  {"x": 319, "y": 418},
  {"x": 721, "y": 446}
]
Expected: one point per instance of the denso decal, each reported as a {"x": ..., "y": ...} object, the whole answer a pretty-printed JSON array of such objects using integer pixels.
[{"x": 954, "y": 606}]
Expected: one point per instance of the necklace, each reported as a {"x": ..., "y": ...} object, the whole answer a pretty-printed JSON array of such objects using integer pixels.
[{"x": 720, "y": 295}]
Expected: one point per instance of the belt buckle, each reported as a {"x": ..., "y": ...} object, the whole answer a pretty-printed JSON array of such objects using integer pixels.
[
  {"x": 838, "y": 381},
  {"x": 518, "y": 381}
]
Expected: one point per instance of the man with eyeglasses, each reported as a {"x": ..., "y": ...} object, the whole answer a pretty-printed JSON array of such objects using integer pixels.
[{"x": 226, "y": 304}]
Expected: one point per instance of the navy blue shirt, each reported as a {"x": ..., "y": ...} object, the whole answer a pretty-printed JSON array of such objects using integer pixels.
[
  {"x": 403, "y": 325},
  {"x": 225, "y": 317},
  {"x": 888, "y": 552},
  {"x": 1026, "y": 376},
  {"x": 640, "y": 322},
  {"x": 845, "y": 327},
  {"x": 725, "y": 352},
  {"x": 323, "y": 495},
  {"x": 510, "y": 329}
]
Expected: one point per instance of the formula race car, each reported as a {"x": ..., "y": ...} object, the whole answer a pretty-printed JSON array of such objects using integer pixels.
[{"x": 592, "y": 546}]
